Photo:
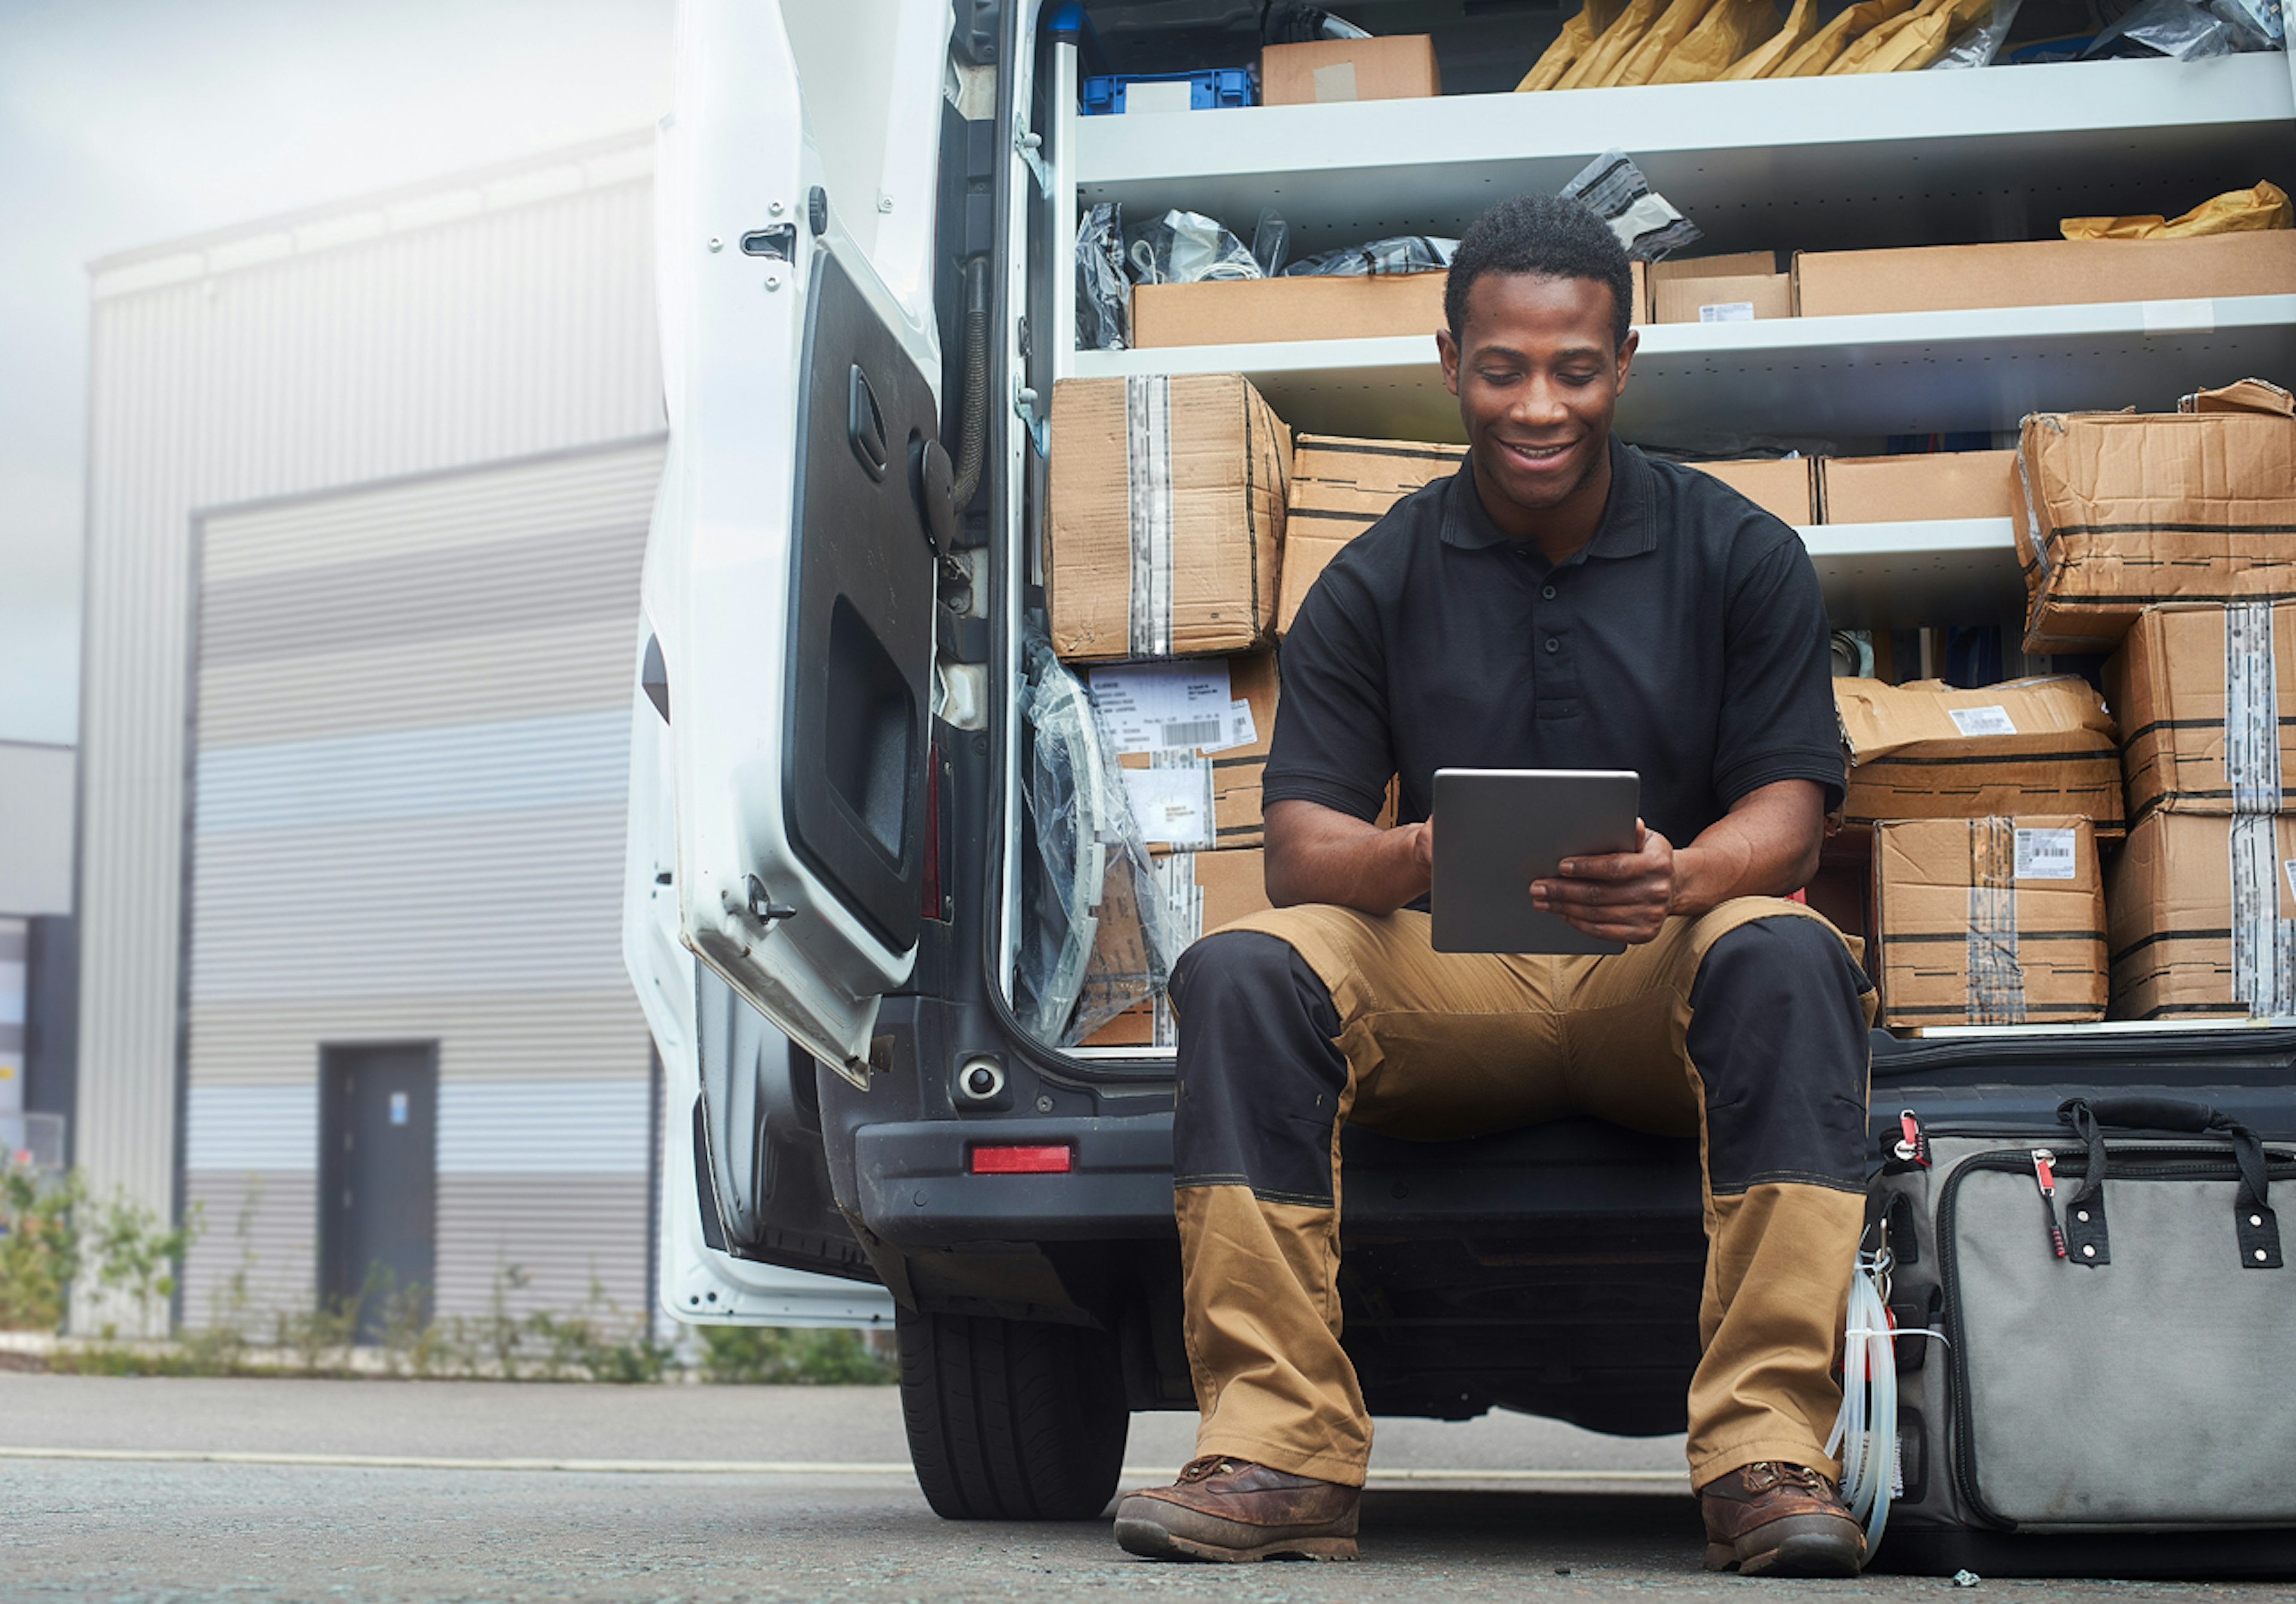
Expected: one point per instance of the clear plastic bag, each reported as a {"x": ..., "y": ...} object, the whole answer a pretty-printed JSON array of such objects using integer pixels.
[
  {"x": 1645, "y": 223},
  {"x": 1979, "y": 46},
  {"x": 1402, "y": 253},
  {"x": 2191, "y": 30},
  {"x": 1185, "y": 248},
  {"x": 1101, "y": 938},
  {"x": 1103, "y": 301},
  {"x": 1271, "y": 239}
]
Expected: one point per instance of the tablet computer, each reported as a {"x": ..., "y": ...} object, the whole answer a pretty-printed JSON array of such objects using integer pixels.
[{"x": 1498, "y": 830}]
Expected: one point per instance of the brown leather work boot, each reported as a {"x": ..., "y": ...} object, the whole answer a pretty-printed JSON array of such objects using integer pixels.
[
  {"x": 1234, "y": 1510},
  {"x": 1772, "y": 1519}
]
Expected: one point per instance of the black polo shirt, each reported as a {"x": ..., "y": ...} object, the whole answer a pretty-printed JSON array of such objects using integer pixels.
[{"x": 1687, "y": 641}]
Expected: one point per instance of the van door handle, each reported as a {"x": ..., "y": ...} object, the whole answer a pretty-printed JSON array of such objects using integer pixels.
[{"x": 864, "y": 425}]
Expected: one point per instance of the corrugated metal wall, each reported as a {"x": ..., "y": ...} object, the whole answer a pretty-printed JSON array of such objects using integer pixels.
[
  {"x": 410, "y": 742},
  {"x": 496, "y": 316}
]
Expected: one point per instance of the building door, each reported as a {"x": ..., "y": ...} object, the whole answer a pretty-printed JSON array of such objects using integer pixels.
[{"x": 378, "y": 1178}]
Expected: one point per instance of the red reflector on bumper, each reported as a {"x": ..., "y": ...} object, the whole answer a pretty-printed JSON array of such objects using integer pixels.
[{"x": 1022, "y": 1161}]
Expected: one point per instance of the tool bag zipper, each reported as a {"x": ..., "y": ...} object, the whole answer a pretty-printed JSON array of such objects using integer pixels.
[{"x": 2154, "y": 1162}]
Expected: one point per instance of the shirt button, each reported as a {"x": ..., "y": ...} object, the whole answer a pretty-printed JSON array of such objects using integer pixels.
[
  {"x": 1546, "y": 591},
  {"x": 1553, "y": 645}
]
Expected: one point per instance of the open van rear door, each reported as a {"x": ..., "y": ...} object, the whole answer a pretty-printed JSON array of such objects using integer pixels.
[{"x": 791, "y": 584}]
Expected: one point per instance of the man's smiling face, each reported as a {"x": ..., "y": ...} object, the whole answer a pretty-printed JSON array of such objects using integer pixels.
[{"x": 1537, "y": 376}]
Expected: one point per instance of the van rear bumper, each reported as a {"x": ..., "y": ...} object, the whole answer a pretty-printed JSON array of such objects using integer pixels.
[{"x": 918, "y": 1191}]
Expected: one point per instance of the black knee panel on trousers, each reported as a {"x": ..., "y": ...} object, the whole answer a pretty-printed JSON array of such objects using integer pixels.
[
  {"x": 1778, "y": 1036},
  {"x": 1260, "y": 1075}
]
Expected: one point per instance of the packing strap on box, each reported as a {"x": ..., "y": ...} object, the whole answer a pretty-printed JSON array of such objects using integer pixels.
[
  {"x": 1997, "y": 979},
  {"x": 1148, "y": 472},
  {"x": 2263, "y": 942},
  {"x": 2252, "y": 711}
]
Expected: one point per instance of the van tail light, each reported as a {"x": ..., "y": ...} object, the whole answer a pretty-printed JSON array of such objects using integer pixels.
[{"x": 1019, "y": 1160}]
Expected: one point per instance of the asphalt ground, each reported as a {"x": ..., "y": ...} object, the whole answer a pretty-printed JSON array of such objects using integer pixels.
[{"x": 160, "y": 1491}]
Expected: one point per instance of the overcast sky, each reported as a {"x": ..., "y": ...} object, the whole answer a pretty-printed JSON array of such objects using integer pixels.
[{"x": 127, "y": 122}]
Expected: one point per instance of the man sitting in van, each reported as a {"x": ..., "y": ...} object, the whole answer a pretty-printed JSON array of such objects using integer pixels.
[{"x": 1561, "y": 602}]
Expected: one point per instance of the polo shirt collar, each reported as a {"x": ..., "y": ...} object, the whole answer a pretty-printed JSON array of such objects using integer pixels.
[{"x": 1629, "y": 525}]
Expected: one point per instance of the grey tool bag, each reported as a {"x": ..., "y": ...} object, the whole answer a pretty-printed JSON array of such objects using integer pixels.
[{"x": 2121, "y": 1325}]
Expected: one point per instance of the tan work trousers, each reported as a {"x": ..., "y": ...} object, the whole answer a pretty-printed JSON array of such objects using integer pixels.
[{"x": 1450, "y": 1045}]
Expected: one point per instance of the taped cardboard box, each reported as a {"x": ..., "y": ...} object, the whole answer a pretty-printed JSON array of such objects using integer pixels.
[
  {"x": 1917, "y": 485},
  {"x": 1192, "y": 737},
  {"x": 1743, "y": 288},
  {"x": 2119, "y": 510},
  {"x": 1988, "y": 921},
  {"x": 2207, "y": 696},
  {"x": 1925, "y": 751},
  {"x": 1340, "y": 488},
  {"x": 2203, "y": 918},
  {"x": 1781, "y": 487},
  {"x": 1166, "y": 516},
  {"x": 1315, "y": 305},
  {"x": 1207, "y": 890},
  {"x": 2042, "y": 272},
  {"x": 1320, "y": 71}
]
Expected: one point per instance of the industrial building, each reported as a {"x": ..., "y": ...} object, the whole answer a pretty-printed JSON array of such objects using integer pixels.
[
  {"x": 38, "y": 1006},
  {"x": 367, "y": 497}
]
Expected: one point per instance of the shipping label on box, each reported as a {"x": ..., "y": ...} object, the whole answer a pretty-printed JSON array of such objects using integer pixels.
[
  {"x": 1340, "y": 488},
  {"x": 2118, "y": 510},
  {"x": 2204, "y": 918},
  {"x": 1192, "y": 739},
  {"x": 1320, "y": 71},
  {"x": 1918, "y": 486},
  {"x": 2206, "y": 695},
  {"x": 1778, "y": 485},
  {"x": 1165, "y": 536},
  {"x": 1926, "y": 750},
  {"x": 1206, "y": 890},
  {"x": 1988, "y": 921}
]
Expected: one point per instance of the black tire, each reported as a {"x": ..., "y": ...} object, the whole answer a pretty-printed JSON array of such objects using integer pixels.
[{"x": 1011, "y": 1419}]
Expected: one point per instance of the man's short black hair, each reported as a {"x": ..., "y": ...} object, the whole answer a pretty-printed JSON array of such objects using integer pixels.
[{"x": 1548, "y": 236}]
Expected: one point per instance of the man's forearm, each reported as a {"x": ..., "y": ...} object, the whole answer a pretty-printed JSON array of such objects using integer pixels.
[
  {"x": 1760, "y": 849},
  {"x": 1325, "y": 857}
]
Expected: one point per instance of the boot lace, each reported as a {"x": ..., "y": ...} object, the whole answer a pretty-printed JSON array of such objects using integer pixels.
[{"x": 1208, "y": 1466}]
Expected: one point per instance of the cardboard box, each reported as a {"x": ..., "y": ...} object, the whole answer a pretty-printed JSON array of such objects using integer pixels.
[
  {"x": 1400, "y": 67},
  {"x": 1918, "y": 485},
  {"x": 2118, "y": 510},
  {"x": 1317, "y": 306},
  {"x": 1781, "y": 487},
  {"x": 2207, "y": 696},
  {"x": 2042, "y": 272},
  {"x": 1988, "y": 921},
  {"x": 2203, "y": 922},
  {"x": 1192, "y": 737},
  {"x": 1925, "y": 751},
  {"x": 1166, "y": 516},
  {"x": 1340, "y": 488},
  {"x": 1726, "y": 288},
  {"x": 1207, "y": 890}
]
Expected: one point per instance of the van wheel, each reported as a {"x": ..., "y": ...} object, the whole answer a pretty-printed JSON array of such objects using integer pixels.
[{"x": 1011, "y": 1419}]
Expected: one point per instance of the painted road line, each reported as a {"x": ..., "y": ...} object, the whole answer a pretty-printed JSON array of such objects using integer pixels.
[{"x": 656, "y": 1467}]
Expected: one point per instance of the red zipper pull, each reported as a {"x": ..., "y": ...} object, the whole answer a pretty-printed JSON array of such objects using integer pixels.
[
  {"x": 2045, "y": 1176},
  {"x": 1913, "y": 1145}
]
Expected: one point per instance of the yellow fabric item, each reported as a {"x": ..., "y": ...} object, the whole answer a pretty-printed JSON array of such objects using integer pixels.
[
  {"x": 1723, "y": 36},
  {"x": 1577, "y": 37},
  {"x": 1830, "y": 41},
  {"x": 1673, "y": 25},
  {"x": 2235, "y": 212},
  {"x": 1611, "y": 48},
  {"x": 1763, "y": 60}
]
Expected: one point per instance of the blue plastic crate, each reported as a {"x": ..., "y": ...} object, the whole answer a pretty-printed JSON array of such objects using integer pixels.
[{"x": 1215, "y": 86}]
